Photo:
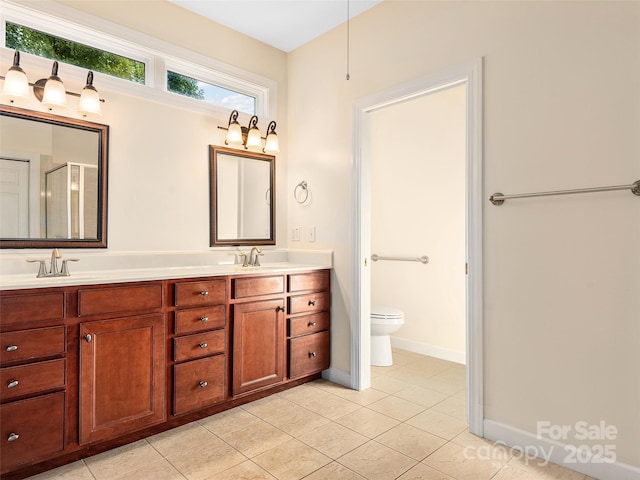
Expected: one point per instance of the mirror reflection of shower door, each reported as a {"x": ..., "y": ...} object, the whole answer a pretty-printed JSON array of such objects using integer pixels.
[{"x": 71, "y": 206}]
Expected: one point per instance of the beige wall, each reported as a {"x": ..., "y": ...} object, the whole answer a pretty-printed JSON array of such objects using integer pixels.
[
  {"x": 158, "y": 156},
  {"x": 561, "y": 110},
  {"x": 418, "y": 208}
]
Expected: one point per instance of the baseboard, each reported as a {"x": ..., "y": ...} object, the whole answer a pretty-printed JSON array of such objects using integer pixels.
[
  {"x": 557, "y": 452},
  {"x": 335, "y": 375},
  {"x": 430, "y": 350}
]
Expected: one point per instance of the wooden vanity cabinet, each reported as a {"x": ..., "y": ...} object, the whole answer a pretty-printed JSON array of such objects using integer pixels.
[
  {"x": 87, "y": 368},
  {"x": 32, "y": 377},
  {"x": 258, "y": 333},
  {"x": 308, "y": 322},
  {"x": 199, "y": 345},
  {"x": 122, "y": 360}
]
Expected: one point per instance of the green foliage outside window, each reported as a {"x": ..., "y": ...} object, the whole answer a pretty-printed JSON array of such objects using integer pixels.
[
  {"x": 184, "y": 85},
  {"x": 44, "y": 45}
]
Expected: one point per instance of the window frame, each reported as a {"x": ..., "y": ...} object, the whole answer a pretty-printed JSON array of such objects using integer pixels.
[{"x": 76, "y": 26}]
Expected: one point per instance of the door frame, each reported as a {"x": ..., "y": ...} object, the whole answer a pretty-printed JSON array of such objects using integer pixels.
[{"x": 469, "y": 74}]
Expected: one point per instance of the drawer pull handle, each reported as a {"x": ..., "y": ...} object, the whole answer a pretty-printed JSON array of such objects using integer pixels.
[
  {"x": 203, "y": 319},
  {"x": 13, "y": 384},
  {"x": 87, "y": 338},
  {"x": 204, "y": 293},
  {"x": 12, "y": 348},
  {"x": 203, "y": 384},
  {"x": 203, "y": 345},
  {"x": 312, "y": 354},
  {"x": 13, "y": 437},
  {"x": 280, "y": 309},
  {"x": 312, "y": 303},
  {"x": 313, "y": 324}
]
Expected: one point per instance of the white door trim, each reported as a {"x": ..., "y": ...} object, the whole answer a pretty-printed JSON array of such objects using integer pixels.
[{"x": 471, "y": 75}]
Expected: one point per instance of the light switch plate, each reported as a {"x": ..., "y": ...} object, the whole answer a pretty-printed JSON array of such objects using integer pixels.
[
  {"x": 295, "y": 234},
  {"x": 311, "y": 234}
]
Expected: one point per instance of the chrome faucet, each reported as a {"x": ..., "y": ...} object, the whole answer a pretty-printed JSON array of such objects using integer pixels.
[
  {"x": 55, "y": 255},
  {"x": 53, "y": 270},
  {"x": 253, "y": 259}
]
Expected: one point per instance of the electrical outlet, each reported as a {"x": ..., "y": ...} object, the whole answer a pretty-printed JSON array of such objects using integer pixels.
[
  {"x": 295, "y": 234},
  {"x": 311, "y": 234}
]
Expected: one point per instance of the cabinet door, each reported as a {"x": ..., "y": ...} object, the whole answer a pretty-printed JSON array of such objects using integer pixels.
[
  {"x": 258, "y": 345},
  {"x": 122, "y": 376}
]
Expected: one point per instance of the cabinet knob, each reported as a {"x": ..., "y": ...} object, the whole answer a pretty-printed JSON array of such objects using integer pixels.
[
  {"x": 13, "y": 437},
  {"x": 13, "y": 384},
  {"x": 12, "y": 348},
  {"x": 203, "y": 384},
  {"x": 312, "y": 303},
  {"x": 312, "y": 324},
  {"x": 312, "y": 354},
  {"x": 280, "y": 309},
  {"x": 203, "y": 319},
  {"x": 204, "y": 293},
  {"x": 203, "y": 345},
  {"x": 88, "y": 338}
]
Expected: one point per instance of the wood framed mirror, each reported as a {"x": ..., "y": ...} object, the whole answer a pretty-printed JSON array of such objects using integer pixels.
[
  {"x": 54, "y": 188},
  {"x": 242, "y": 197}
]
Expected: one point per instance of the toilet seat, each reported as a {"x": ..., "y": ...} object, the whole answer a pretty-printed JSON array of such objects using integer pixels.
[{"x": 382, "y": 315}]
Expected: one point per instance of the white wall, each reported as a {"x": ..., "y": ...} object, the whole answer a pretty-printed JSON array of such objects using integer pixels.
[
  {"x": 418, "y": 208},
  {"x": 561, "y": 110}
]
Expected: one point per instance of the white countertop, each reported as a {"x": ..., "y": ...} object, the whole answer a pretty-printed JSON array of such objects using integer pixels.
[{"x": 24, "y": 281}]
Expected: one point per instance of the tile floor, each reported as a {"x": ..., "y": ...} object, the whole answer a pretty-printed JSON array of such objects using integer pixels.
[{"x": 409, "y": 426}]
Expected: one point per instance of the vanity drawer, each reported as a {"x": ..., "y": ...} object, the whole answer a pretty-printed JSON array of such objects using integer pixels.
[
  {"x": 32, "y": 378},
  {"x": 299, "y": 282},
  {"x": 308, "y": 324},
  {"x": 199, "y": 384},
  {"x": 198, "y": 345},
  {"x": 31, "y": 429},
  {"x": 197, "y": 319},
  {"x": 309, "y": 354},
  {"x": 256, "y": 286},
  {"x": 312, "y": 302},
  {"x": 40, "y": 307},
  {"x": 28, "y": 344},
  {"x": 108, "y": 300},
  {"x": 200, "y": 293}
]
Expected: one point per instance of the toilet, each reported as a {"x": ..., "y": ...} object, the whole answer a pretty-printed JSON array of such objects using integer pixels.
[{"x": 384, "y": 321}]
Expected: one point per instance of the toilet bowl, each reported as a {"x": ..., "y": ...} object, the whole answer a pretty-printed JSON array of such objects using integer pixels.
[{"x": 384, "y": 321}]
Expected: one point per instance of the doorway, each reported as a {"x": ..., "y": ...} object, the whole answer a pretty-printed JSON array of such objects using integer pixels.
[{"x": 470, "y": 76}]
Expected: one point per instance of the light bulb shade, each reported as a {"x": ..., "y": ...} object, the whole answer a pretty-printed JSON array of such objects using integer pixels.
[
  {"x": 54, "y": 93},
  {"x": 271, "y": 143},
  {"x": 89, "y": 102},
  {"x": 253, "y": 135},
  {"x": 253, "y": 138},
  {"x": 89, "y": 99},
  {"x": 234, "y": 134},
  {"x": 16, "y": 85}
]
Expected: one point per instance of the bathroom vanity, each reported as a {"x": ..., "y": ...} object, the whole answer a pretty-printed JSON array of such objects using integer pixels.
[{"x": 92, "y": 364}]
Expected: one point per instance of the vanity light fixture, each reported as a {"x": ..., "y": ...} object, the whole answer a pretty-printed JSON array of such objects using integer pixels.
[
  {"x": 16, "y": 85},
  {"x": 53, "y": 93},
  {"x": 250, "y": 136},
  {"x": 49, "y": 91}
]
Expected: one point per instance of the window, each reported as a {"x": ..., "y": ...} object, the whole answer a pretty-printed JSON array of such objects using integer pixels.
[
  {"x": 24, "y": 39},
  {"x": 222, "y": 97},
  {"x": 134, "y": 63}
]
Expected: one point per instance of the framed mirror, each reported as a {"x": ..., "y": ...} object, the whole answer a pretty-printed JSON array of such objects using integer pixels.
[
  {"x": 53, "y": 192},
  {"x": 242, "y": 201}
]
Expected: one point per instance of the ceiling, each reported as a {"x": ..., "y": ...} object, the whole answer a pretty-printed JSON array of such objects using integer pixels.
[{"x": 283, "y": 24}]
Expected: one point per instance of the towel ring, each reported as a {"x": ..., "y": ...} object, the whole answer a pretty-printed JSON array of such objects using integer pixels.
[{"x": 303, "y": 186}]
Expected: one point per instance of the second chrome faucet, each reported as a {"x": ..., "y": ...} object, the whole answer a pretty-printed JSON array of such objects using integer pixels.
[{"x": 253, "y": 259}]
